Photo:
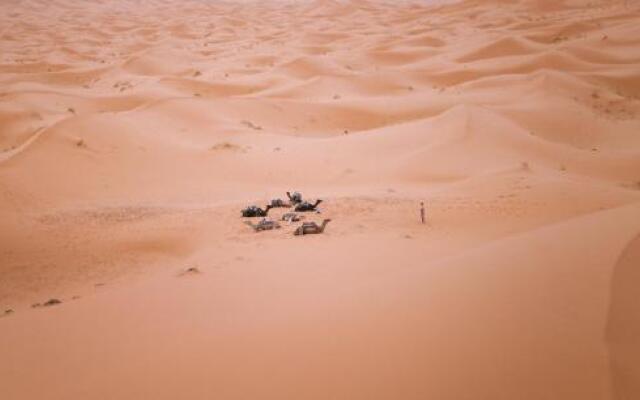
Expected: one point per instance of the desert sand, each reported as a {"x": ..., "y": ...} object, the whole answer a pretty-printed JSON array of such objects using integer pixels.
[{"x": 132, "y": 133}]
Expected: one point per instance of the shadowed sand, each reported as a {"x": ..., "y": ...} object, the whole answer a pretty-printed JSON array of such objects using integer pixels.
[
  {"x": 623, "y": 326},
  {"x": 133, "y": 133}
]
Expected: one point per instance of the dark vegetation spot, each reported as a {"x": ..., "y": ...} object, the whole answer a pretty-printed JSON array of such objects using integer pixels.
[
  {"x": 251, "y": 125},
  {"x": 226, "y": 146},
  {"x": 52, "y": 302},
  {"x": 190, "y": 271}
]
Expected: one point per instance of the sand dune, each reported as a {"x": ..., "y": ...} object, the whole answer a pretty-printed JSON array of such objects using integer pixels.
[{"x": 132, "y": 133}]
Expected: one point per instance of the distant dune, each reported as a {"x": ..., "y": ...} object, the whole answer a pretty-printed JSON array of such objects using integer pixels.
[{"x": 132, "y": 134}]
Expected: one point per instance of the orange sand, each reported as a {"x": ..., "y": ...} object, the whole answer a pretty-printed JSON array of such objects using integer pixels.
[{"x": 132, "y": 133}]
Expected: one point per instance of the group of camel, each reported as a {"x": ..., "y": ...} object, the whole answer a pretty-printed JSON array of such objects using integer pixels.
[{"x": 299, "y": 206}]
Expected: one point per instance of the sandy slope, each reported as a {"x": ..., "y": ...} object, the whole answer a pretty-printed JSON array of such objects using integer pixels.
[{"x": 131, "y": 135}]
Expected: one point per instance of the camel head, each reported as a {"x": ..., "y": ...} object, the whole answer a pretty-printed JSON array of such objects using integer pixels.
[{"x": 324, "y": 224}]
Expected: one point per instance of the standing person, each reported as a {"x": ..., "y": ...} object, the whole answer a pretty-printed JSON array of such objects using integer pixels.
[{"x": 422, "y": 211}]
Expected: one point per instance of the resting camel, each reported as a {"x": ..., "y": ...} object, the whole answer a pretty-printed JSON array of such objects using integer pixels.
[
  {"x": 309, "y": 228},
  {"x": 295, "y": 197},
  {"x": 306, "y": 206},
  {"x": 291, "y": 217},
  {"x": 263, "y": 225},
  {"x": 278, "y": 203},
  {"x": 255, "y": 211}
]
